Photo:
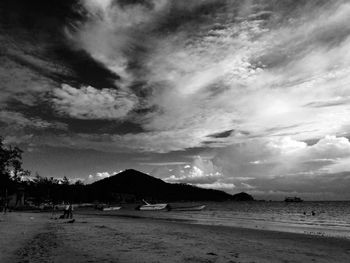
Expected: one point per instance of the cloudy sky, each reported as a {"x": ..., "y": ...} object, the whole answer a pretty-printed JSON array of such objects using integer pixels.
[{"x": 235, "y": 95}]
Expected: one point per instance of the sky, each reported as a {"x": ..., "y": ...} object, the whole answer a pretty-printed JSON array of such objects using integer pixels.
[{"x": 234, "y": 95}]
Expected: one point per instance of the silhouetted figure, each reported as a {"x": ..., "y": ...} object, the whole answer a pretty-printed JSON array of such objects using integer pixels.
[
  {"x": 5, "y": 206},
  {"x": 70, "y": 211},
  {"x": 19, "y": 196},
  {"x": 54, "y": 209},
  {"x": 66, "y": 211}
]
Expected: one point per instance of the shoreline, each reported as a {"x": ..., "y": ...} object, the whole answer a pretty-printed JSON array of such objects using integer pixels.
[
  {"x": 97, "y": 238},
  {"x": 257, "y": 224}
]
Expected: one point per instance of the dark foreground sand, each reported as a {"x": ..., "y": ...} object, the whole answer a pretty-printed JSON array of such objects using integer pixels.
[{"x": 34, "y": 237}]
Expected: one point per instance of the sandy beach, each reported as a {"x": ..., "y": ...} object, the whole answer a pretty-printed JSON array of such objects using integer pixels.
[{"x": 34, "y": 237}]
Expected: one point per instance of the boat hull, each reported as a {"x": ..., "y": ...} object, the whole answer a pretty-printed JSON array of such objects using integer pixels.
[
  {"x": 153, "y": 207},
  {"x": 111, "y": 208},
  {"x": 190, "y": 208}
]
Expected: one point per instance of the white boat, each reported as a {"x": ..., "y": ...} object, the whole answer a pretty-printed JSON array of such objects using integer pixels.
[
  {"x": 187, "y": 208},
  {"x": 111, "y": 208},
  {"x": 152, "y": 207}
]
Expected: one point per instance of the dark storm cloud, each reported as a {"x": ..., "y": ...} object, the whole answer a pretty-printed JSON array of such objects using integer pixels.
[
  {"x": 87, "y": 70},
  {"x": 37, "y": 58},
  {"x": 33, "y": 36}
]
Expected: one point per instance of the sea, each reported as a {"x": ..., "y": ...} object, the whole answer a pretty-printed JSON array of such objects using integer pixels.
[
  {"x": 318, "y": 218},
  {"x": 315, "y": 218}
]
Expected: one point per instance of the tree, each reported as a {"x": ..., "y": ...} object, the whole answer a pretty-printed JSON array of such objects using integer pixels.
[
  {"x": 10, "y": 169},
  {"x": 65, "y": 181},
  {"x": 79, "y": 183}
]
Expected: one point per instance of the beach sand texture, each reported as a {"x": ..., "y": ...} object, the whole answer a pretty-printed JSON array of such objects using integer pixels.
[{"x": 34, "y": 237}]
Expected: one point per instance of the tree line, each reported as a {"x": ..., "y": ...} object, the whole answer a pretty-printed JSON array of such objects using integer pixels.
[{"x": 15, "y": 182}]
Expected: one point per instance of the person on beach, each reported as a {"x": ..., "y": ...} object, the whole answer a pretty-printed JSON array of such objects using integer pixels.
[
  {"x": 54, "y": 210},
  {"x": 5, "y": 206},
  {"x": 70, "y": 211},
  {"x": 66, "y": 211}
]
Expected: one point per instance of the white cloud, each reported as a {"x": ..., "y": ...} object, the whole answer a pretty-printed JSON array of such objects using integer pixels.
[
  {"x": 244, "y": 178},
  {"x": 286, "y": 162},
  {"x": 98, "y": 176},
  {"x": 247, "y": 186},
  {"x": 164, "y": 163},
  {"x": 200, "y": 171},
  {"x": 91, "y": 103},
  {"x": 112, "y": 31},
  {"x": 217, "y": 185}
]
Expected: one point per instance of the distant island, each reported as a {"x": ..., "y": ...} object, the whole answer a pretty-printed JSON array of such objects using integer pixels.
[{"x": 132, "y": 185}]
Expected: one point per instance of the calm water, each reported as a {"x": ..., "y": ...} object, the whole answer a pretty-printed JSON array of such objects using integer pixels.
[
  {"x": 325, "y": 213},
  {"x": 329, "y": 219},
  {"x": 323, "y": 218}
]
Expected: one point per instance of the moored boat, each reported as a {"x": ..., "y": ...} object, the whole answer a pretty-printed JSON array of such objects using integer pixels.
[
  {"x": 187, "y": 208},
  {"x": 152, "y": 207},
  {"x": 114, "y": 208}
]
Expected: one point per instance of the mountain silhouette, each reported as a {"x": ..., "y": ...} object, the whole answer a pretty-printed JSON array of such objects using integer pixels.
[
  {"x": 242, "y": 197},
  {"x": 133, "y": 185}
]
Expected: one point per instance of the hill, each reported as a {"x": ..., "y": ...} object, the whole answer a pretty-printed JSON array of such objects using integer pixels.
[
  {"x": 242, "y": 197},
  {"x": 132, "y": 185}
]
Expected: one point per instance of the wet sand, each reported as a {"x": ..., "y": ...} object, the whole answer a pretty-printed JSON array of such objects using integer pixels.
[{"x": 34, "y": 237}]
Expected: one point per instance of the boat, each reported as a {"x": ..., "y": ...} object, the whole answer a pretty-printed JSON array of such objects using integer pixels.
[
  {"x": 293, "y": 199},
  {"x": 106, "y": 207},
  {"x": 187, "y": 208},
  {"x": 152, "y": 207},
  {"x": 114, "y": 208}
]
